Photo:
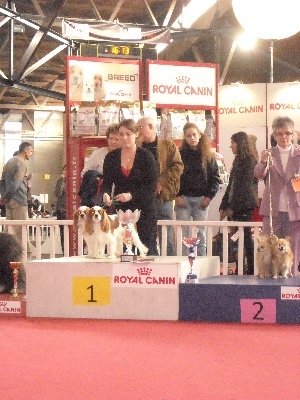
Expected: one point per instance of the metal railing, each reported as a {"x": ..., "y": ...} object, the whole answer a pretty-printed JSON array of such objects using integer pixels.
[{"x": 38, "y": 232}]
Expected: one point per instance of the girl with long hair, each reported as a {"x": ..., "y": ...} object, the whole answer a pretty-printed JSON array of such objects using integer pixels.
[
  {"x": 129, "y": 178},
  {"x": 241, "y": 197},
  {"x": 199, "y": 182}
]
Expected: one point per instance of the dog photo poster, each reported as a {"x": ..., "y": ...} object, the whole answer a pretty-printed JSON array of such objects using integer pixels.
[{"x": 95, "y": 81}]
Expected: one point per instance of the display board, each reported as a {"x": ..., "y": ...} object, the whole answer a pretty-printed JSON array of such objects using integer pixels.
[
  {"x": 93, "y": 86},
  {"x": 184, "y": 86}
]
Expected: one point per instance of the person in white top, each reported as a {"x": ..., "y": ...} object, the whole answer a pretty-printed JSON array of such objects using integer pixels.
[
  {"x": 280, "y": 168},
  {"x": 96, "y": 160}
]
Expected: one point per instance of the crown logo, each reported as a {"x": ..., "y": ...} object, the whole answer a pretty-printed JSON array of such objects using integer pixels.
[
  {"x": 182, "y": 79},
  {"x": 144, "y": 271},
  {"x": 237, "y": 102}
]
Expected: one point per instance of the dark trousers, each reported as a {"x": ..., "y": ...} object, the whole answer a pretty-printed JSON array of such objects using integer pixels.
[
  {"x": 60, "y": 214},
  {"x": 246, "y": 216}
]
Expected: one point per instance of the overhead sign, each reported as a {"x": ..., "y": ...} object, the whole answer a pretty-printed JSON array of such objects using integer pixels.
[
  {"x": 183, "y": 85},
  {"x": 96, "y": 79},
  {"x": 109, "y": 31}
]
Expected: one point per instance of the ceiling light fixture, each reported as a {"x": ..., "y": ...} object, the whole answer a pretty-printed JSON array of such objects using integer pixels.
[
  {"x": 190, "y": 13},
  {"x": 268, "y": 19},
  {"x": 246, "y": 41}
]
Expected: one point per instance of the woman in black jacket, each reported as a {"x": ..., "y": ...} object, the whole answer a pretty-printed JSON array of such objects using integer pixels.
[
  {"x": 240, "y": 197},
  {"x": 199, "y": 182},
  {"x": 130, "y": 178}
]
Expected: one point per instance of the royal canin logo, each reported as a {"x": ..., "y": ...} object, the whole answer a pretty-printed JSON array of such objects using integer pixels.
[
  {"x": 144, "y": 278},
  {"x": 182, "y": 79},
  {"x": 183, "y": 87},
  {"x": 144, "y": 271}
]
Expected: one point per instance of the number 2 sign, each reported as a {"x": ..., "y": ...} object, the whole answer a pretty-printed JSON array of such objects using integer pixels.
[{"x": 258, "y": 310}]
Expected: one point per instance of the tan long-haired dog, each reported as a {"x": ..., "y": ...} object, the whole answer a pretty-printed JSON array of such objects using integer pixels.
[
  {"x": 75, "y": 82},
  {"x": 282, "y": 257},
  {"x": 264, "y": 256},
  {"x": 99, "y": 90},
  {"x": 100, "y": 227}
]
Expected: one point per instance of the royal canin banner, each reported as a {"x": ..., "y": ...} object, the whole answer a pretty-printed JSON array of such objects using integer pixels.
[
  {"x": 284, "y": 99},
  {"x": 144, "y": 275},
  {"x": 182, "y": 85},
  {"x": 242, "y": 105}
]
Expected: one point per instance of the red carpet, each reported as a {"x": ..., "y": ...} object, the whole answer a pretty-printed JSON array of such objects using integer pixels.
[{"x": 49, "y": 359}]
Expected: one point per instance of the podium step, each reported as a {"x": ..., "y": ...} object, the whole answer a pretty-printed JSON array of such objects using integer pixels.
[{"x": 245, "y": 298}]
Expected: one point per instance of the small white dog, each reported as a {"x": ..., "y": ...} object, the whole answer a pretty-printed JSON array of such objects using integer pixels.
[
  {"x": 120, "y": 234},
  {"x": 88, "y": 88},
  {"x": 99, "y": 227}
]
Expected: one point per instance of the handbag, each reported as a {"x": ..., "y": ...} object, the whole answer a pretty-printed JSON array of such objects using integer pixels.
[{"x": 217, "y": 246}]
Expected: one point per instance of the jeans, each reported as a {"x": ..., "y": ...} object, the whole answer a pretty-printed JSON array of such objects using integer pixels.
[
  {"x": 165, "y": 212},
  {"x": 15, "y": 211},
  {"x": 193, "y": 210}
]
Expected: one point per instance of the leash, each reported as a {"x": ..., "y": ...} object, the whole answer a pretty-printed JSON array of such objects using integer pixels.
[
  {"x": 269, "y": 163},
  {"x": 99, "y": 184}
]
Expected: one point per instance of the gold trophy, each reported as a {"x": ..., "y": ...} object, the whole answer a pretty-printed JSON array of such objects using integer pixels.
[
  {"x": 15, "y": 265},
  {"x": 191, "y": 243},
  {"x": 128, "y": 218}
]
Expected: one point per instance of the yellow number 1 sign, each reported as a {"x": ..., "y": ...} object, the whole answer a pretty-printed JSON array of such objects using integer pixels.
[{"x": 91, "y": 290}]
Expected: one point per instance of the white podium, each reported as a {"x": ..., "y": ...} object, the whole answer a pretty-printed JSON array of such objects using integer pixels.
[{"x": 80, "y": 287}]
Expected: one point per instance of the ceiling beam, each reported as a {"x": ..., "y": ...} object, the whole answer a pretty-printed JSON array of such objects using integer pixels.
[
  {"x": 150, "y": 12},
  {"x": 43, "y": 60},
  {"x": 174, "y": 52},
  {"x": 29, "y": 88},
  {"x": 31, "y": 24},
  {"x": 51, "y": 12},
  {"x": 116, "y": 10},
  {"x": 95, "y": 9}
]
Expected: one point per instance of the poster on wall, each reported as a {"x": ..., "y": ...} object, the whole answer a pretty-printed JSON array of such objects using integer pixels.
[
  {"x": 96, "y": 79},
  {"x": 242, "y": 105},
  {"x": 182, "y": 85},
  {"x": 283, "y": 99}
]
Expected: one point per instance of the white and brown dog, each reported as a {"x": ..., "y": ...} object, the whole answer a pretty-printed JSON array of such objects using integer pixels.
[
  {"x": 100, "y": 227},
  {"x": 120, "y": 234},
  {"x": 79, "y": 222}
]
